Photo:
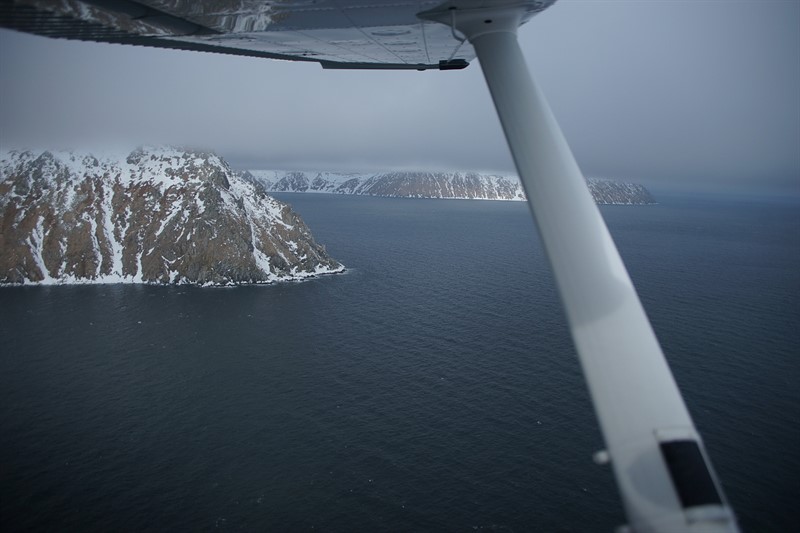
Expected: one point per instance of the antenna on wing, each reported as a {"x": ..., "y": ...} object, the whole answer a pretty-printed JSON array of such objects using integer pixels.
[{"x": 452, "y": 10}]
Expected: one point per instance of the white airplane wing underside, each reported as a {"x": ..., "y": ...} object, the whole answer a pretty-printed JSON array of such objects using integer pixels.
[{"x": 374, "y": 34}]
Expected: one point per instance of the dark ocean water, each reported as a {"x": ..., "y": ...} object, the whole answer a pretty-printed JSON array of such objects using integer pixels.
[{"x": 432, "y": 387}]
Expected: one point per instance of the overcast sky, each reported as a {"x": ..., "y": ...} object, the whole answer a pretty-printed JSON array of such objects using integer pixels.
[{"x": 660, "y": 92}]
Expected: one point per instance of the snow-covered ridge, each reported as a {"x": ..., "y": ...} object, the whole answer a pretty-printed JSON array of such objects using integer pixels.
[
  {"x": 154, "y": 215},
  {"x": 450, "y": 185}
]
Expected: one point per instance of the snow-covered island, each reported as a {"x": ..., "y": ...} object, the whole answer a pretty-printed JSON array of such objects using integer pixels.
[
  {"x": 155, "y": 215},
  {"x": 450, "y": 185}
]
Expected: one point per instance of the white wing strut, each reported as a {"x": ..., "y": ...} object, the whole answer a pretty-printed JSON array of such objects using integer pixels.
[{"x": 665, "y": 480}]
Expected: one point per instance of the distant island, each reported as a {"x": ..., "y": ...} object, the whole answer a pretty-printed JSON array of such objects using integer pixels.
[
  {"x": 446, "y": 185},
  {"x": 155, "y": 215}
]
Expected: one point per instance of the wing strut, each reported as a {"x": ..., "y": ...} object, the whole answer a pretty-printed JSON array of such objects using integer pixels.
[{"x": 644, "y": 421}]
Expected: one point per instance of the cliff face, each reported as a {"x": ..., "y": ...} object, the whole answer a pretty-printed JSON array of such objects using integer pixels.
[
  {"x": 469, "y": 185},
  {"x": 155, "y": 215}
]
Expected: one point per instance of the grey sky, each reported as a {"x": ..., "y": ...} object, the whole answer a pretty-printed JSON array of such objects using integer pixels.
[{"x": 669, "y": 92}]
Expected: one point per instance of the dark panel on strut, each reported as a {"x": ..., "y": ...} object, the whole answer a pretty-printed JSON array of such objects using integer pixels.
[{"x": 689, "y": 472}]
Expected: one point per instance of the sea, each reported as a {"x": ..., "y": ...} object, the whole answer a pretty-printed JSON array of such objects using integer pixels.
[{"x": 431, "y": 387}]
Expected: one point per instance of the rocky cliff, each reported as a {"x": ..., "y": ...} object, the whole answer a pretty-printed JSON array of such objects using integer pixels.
[
  {"x": 466, "y": 185},
  {"x": 151, "y": 216}
]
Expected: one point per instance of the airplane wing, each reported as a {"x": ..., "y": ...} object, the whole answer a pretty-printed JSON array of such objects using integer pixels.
[
  {"x": 665, "y": 479},
  {"x": 365, "y": 34}
]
